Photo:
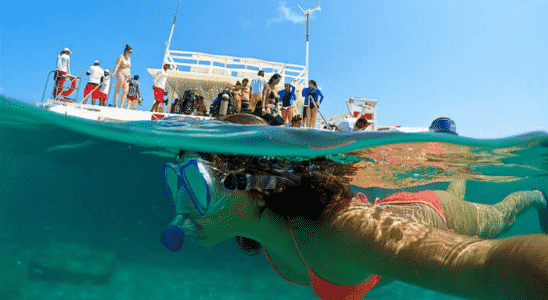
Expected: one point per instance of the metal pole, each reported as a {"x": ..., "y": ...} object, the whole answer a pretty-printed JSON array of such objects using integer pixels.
[
  {"x": 307, "y": 13},
  {"x": 170, "y": 35},
  {"x": 307, "y": 47}
]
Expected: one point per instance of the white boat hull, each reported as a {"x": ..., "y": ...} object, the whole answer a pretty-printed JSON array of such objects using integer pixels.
[{"x": 108, "y": 114}]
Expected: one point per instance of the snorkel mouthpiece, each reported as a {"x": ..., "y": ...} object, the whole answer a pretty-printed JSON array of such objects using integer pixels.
[{"x": 173, "y": 236}]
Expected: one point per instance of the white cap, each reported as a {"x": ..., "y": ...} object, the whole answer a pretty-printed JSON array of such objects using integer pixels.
[
  {"x": 96, "y": 62},
  {"x": 67, "y": 50},
  {"x": 106, "y": 70}
]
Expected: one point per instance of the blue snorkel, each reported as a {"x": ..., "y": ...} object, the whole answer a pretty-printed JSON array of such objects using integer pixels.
[{"x": 173, "y": 236}]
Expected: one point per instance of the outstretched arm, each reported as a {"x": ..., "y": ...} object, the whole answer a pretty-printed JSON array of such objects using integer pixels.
[
  {"x": 380, "y": 242},
  {"x": 118, "y": 62}
]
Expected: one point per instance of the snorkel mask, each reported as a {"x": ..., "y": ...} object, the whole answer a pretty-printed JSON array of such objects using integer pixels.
[{"x": 194, "y": 185}]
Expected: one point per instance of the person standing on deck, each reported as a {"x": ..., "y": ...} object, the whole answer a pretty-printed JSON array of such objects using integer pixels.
[
  {"x": 245, "y": 90},
  {"x": 123, "y": 77},
  {"x": 287, "y": 96},
  {"x": 63, "y": 68},
  {"x": 312, "y": 99},
  {"x": 257, "y": 86},
  {"x": 95, "y": 73},
  {"x": 105, "y": 86},
  {"x": 160, "y": 81}
]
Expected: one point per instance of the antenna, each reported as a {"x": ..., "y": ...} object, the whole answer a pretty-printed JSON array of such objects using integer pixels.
[
  {"x": 307, "y": 12},
  {"x": 170, "y": 35}
]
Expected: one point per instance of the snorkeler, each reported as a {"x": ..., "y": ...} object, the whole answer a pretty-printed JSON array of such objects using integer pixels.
[{"x": 316, "y": 231}]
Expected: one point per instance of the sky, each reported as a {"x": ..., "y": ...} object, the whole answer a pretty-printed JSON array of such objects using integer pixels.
[{"x": 482, "y": 63}]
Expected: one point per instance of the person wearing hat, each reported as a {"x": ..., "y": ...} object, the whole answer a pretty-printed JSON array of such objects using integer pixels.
[
  {"x": 105, "y": 86},
  {"x": 95, "y": 73},
  {"x": 159, "y": 88},
  {"x": 63, "y": 68}
]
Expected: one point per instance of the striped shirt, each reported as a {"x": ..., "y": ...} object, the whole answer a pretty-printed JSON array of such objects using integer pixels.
[
  {"x": 257, "y": 85},
  {"x": 134, "y": 89}
]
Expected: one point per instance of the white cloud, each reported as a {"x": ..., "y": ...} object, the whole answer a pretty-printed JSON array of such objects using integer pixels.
[{"x": 287, "y": 14}]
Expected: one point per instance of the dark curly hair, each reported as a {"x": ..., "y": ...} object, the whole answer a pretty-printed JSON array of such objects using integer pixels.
[{"x": 313, "y": 190}]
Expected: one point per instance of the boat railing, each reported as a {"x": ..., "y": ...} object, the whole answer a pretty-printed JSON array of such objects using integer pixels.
[
  {"x": 223, "y": 65},
  {"x": 74, "y": 87}
]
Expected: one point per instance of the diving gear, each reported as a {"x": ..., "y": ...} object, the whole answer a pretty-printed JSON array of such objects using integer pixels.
[
  {"x": 173, "y": 237},
  {"x": 194, "y": 185}
]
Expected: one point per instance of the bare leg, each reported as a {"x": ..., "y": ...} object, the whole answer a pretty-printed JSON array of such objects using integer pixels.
[
  {"x": 487, "y": 221},
  {"x": 154, "y": 106},
  {"x": 238, "y": 102},
  {"x": 117, "y": 92},
  {"x": 125, "y": 89},
  {"x": 313, "y": 113}
]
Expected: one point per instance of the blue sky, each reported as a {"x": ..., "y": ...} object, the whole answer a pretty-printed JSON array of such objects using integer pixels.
[{"x": 482, "y": 63}]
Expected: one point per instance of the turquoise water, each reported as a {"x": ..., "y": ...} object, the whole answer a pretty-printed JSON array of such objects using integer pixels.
[{"x": 99, "y": 185}]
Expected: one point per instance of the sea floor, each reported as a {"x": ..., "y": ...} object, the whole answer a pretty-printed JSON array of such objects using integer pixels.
[{"x": 177, "y": 276}]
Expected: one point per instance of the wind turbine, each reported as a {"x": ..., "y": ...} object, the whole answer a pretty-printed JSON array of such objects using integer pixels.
[{"x": 307, "y": 12}]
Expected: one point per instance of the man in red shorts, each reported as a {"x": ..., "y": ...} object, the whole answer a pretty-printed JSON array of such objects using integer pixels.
[
  {"x": 159, "y": 88},
  {"x": 95, "y": 73},
  {"x": 63, "y": 68}
]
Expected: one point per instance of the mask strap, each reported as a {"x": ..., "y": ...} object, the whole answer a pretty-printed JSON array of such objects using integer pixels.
[{"x": 246, "y": 182}]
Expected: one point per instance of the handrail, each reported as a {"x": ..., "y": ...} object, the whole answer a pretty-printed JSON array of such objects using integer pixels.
[
  {"x": 179, "y": 60},
  {"x": 77, "y": 89},
  {"x": 45, "y": 87}
]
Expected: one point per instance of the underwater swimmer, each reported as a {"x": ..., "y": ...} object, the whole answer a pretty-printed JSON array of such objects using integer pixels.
[{"x": 316, "y": 232}]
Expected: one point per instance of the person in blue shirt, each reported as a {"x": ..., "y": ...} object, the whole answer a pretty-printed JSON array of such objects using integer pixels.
[
  {"x": 287, "y": 97},
  {"x": 310, "y": 109}
]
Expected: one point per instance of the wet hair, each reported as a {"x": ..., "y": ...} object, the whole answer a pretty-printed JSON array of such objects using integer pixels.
[
  {"x": 274, "y": 77},
  {"x": 361, "y": 123},
  {"x": 296, "y": 119},
  {"x": 317, "y": 180}
]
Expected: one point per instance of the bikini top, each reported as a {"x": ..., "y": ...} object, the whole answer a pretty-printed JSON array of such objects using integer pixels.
[
  {"x": 327, "y": 290},
  {"x": 126, "y": 63}
]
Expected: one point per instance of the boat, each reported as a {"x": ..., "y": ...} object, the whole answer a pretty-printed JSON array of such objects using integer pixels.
[{"x": 207, "y": 75}]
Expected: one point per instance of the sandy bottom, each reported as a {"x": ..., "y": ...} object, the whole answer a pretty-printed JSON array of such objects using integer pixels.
[{"x": 154, "y": 277}]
